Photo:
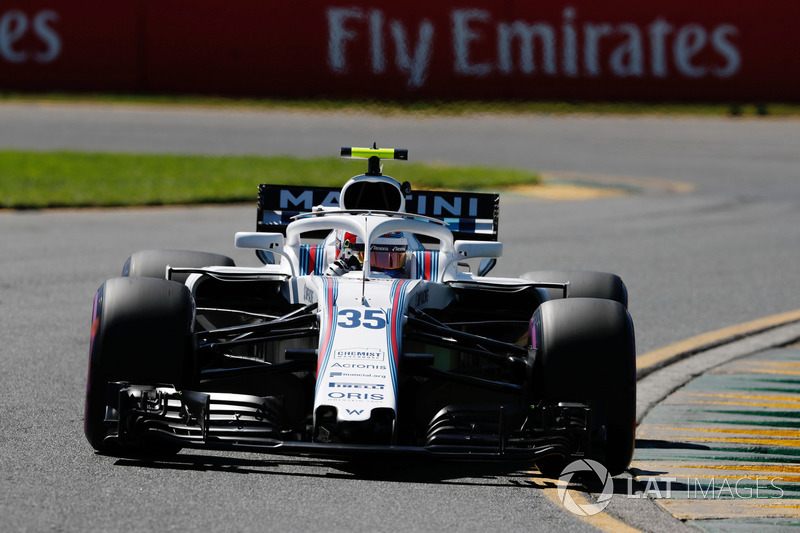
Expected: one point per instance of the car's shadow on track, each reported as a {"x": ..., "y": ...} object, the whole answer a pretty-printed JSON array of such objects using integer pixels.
[
  {"x": 669, "y": 445},
  {"x": 427, "y": 472}
]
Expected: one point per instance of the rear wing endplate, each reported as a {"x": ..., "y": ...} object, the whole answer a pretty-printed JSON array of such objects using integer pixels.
[{"x": 469, "y": 215}]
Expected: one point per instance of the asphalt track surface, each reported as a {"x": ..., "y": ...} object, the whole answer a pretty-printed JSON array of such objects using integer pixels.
[{"x": 724, "y": 253}]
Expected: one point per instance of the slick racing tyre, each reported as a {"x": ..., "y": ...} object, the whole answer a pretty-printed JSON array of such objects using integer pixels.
[
  {"x": 153, "y": 263},
  {"x": 142, "y": 334},
  {"x": 583, "y": 284},
  {"x": 585, "y": 352}
]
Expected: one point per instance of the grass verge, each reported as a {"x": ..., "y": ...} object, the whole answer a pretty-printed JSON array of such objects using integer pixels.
[
  {"x": 424, "y": 108},
  {"x": 34, "y": 180}
]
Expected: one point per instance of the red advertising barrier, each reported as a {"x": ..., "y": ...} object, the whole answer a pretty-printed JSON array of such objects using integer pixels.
[
  {"x": 63, "y": 45},
  {"x": 580, "y": 49}
]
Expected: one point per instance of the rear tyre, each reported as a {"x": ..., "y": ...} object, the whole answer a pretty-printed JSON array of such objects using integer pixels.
[
  {"x": 585, "y": 352},
  {"x": 153, "y": 263},
  {"x": 583, "y": 284},
  {"x": 141, "y": 333}
]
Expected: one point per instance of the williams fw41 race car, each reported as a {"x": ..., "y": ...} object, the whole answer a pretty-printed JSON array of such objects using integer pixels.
[{"x": 372, "y": 329}]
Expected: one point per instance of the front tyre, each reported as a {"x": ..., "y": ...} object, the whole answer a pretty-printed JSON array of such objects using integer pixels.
[
  {"x": 585, "y": 352},
  {"x": 141, "y": 333}
]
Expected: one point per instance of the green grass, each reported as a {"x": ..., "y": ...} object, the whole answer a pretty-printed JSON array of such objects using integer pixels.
[
  {"x": 32, "y": 180},
  {"x": 425, "y": 108}
]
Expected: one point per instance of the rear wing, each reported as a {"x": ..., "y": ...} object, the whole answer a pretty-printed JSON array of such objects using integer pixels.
[{"x": 469, "y": 215}]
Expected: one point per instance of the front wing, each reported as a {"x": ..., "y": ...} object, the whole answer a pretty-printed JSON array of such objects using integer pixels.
[{"x": 239, "y": 422}]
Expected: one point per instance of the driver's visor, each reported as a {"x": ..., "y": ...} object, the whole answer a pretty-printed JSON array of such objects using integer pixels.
[{"x": 387, "y": 260}]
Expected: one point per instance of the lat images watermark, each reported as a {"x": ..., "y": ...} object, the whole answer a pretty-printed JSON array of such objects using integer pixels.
[
  {"x": 707, "y": 488},
  {"x": 656, "y": 487}
]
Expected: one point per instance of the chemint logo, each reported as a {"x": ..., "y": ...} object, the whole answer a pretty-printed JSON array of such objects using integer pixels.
[{"x": 565, "y": 497}]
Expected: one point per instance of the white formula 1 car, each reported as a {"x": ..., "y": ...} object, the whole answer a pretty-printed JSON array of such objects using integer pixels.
[{"x": 372, "y": 328}]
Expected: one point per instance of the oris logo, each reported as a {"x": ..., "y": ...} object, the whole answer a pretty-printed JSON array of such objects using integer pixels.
[
  {"x": 363, "y": 396},
  {"x": 26, "y": 38}
]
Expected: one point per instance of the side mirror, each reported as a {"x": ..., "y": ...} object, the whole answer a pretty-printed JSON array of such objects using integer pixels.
[
  {"x": 489, "y": 250},
  {"x": 470, "y": 249},
  {"x": 267, "y": 246},
  {"x": 272, "y": 242}
]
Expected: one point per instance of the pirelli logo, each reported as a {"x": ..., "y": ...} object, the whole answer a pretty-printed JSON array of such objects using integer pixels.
[{"x": 366, "y": 386}]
